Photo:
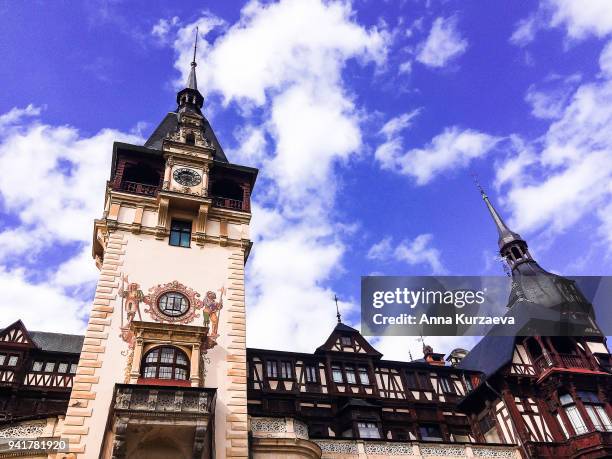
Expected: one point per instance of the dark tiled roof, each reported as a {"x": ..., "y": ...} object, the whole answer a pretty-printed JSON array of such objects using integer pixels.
[
  {"x": 58, "y": 342},
  {"x": 170, "y": 124}
]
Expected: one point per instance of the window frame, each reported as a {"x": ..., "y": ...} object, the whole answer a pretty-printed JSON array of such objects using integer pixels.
[
  {"x": 165, "y": 296},
  {"x": 572, "y": 412},
  {"x": 315, "y": 373},
  {"x": 286, "y": 369},
  {"x": 272, "y": 364},
  {"x": 158, "y": 364},
  {"x": 185, "y": 228},
  {"x": 369, "y": 428}
]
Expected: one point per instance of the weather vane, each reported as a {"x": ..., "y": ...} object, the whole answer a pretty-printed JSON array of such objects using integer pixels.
[{"x": 337, "y": 309}]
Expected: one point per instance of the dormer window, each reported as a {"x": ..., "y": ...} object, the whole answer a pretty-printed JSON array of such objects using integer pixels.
[{"x": 346, "y": 341}]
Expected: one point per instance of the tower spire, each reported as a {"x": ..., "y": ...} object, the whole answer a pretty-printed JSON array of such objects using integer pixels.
[
  {"x": 192, "y": 82},
  {"x": 506, "y": 235},
  {"x": 511, "y": 245}
]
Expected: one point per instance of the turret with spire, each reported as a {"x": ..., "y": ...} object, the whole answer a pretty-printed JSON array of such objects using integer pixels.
[
  {"x": 530, "y": 282},
  {"x": 189, "y": 98}
]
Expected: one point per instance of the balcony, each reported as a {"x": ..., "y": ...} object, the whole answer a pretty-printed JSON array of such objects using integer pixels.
[
  {"x": 565, "y": 361},
  {"x": 163, "y": 400},
  {"x": 139, "y": 188},
  {"x": 171, "y": 417},
  {"x": 233, "y": 204}
]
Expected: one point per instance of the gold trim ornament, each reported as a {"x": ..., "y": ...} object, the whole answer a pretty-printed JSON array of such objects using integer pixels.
[{"x": 193, "y": 298}]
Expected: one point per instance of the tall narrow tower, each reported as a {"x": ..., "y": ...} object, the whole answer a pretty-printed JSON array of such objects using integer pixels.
[{"x": 162, "y": 373}]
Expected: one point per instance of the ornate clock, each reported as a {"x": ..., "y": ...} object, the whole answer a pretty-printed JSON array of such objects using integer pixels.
[{"x": 186, "y": 177}]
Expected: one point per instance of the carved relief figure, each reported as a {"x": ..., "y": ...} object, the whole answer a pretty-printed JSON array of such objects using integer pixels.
[{"x": 212, "y": 310}]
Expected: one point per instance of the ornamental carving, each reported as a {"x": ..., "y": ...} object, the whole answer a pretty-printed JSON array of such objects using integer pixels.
[
  {"x": 24, "y": 430},
  {"x": 156, "y": 292},
  {"x": 268, "y": 426},
  {"x": 338, "y": 446},
  {"x": 493, "y": 452},
  {"x": 442, "y": 450},
  {"x": 389, "y": 449},
  {"x": 300, "y": 429}
]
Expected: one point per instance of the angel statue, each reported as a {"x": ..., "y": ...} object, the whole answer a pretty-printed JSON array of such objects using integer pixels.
[{"x": 212, "y": 309}]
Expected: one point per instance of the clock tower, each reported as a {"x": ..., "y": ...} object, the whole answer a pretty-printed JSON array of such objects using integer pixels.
[{"x": 162, "y": 373}]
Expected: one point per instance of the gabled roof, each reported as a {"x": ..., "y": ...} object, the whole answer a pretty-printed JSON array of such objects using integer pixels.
[
  {"x": 16, "y": 333},
  {"x": 58, "y": 342},
  {"x": 341, "y": 329}
]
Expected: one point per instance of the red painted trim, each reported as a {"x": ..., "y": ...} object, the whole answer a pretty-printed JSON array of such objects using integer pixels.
[
  {"x": 569, "y": 370},
  {"x": 164, "y": 382}
]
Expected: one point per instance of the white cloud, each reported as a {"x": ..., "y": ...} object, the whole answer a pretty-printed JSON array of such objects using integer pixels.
[
  {"x": 525, "y": 30},
  {"x": 418, "y": 251},
  {"x": 443, "y": 44},
  {"x": 53, "y": 193},
  {"x": 579, "y": 18},
  {"x": 300, "y": 122},
  {"x": 16, "y": 114},
  {"x": 569, "y": 177},
  {"x": 40, "y": 306},
  {"x": 450, "y": 150},
  {"x": 163, "y": 27},
  {"x": 549, "y": 102}
]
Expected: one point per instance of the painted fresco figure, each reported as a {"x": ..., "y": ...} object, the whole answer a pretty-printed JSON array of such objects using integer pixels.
[
  {"x": 133, "y": 296},
  {"x": 212, "y": 309}
]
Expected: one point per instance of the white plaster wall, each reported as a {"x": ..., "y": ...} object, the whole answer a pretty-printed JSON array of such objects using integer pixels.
[{"x": 150, "y": 262}]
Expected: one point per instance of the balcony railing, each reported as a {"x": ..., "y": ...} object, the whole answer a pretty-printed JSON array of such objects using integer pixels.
[
  {"x": 548, "y": 361},
  {"x": 161, "y": 400},
  {"x": 139, "y": 188},
  {"x": 234, "y": 204}
]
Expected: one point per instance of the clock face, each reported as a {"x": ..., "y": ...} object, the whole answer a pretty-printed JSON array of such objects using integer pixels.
[{"x": 186, "y": 177}]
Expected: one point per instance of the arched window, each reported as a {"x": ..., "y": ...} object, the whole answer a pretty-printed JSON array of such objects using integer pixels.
[
  {"x": 190, "y": 139},
  {"x": 165, "y": 362}
]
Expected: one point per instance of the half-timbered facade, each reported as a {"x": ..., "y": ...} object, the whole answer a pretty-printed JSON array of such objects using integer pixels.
[{"x": 36, "y": 372}]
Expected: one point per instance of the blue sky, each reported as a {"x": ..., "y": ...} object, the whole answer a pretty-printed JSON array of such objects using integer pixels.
[{"x": 365, "y": 118}]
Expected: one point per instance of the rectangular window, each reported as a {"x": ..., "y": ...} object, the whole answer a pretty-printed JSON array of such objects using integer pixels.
[
  {"x": 12, "y": 360},
  {"x": 62, "y": 368},
  {"x": 271, "y": 369},
  {"x": 363, "y": 375},
  {"x": 73, "y": 368},
  {"x": 149, "y": 372},
  {"x": 165, "y": 373},
  {"x": 468, "y": 384},
  {"x": 368, "y": 430},
  {"x": 180, "y": 233},
  {"x": 447, "y": 386},
  {"x": 180, "y": 373},
  {"x": 2, "y": 359},
  {"x": 350, "y": 376},
  {"x": 49, "y": 367},
  {"x": 286, "y": 370},
  {"x": 346, "y": 340},
  {"x": 576, "y": 420},
  {"x": 337, "y": 375},
  {"x": 311, "y": 374},
  {"x": 37, "y": 366},
  {"x": 167, "y": 355},
  {"x": 430, "y": 432}
]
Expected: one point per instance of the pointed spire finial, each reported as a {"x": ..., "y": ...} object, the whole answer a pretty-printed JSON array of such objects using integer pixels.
[
  {"x": 192, "y": 82},
  {"x": 195, "y": 47},
  {"x": 337, "y": 309},
  {"x": 506, "y": 235}
]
